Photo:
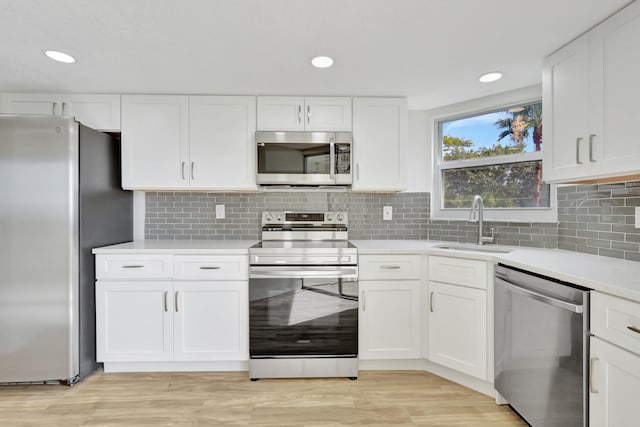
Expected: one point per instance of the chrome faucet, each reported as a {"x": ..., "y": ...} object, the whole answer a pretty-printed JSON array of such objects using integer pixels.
[{"x": 479, "y": 203}]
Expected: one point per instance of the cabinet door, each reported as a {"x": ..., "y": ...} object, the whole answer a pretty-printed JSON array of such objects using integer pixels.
[
  {"x": 100, "y": 112},
  {"x": 615, "y": 67},
  {"x": 565, "y": 106},
  {"x": 222, "y": 142},
  {"x": 211, "y": 321},
  {"x": 379, "y": 143},
  {"x": 328, "y": 114},
  {"x": 155, "y": 138},
  {"x": 614, "y": 385},
  {"x": 458, "y": 328},
  {"x": 31, "y": 103},
  {"x": 389, "y": 319},
  {"x": 281, "y": 113},
  {"x": 134, "y": 322}
]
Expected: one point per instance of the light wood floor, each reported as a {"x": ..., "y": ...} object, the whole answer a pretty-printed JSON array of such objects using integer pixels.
[{"x": 377, "y": 399}]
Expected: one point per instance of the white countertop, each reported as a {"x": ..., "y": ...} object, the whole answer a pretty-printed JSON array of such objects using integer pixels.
[
  {"x": 609, "y": 275},
  {"x": 219, "y": 247}
]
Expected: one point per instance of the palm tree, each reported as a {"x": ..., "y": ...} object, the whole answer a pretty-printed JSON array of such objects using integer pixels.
[{"x": 518, "y": 126}]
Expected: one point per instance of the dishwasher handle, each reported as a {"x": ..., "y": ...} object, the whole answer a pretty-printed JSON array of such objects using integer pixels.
[{"x": 540, "y": 297}]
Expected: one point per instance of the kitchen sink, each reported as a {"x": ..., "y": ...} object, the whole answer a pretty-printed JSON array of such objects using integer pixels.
[{"x": 474, "y": 248}]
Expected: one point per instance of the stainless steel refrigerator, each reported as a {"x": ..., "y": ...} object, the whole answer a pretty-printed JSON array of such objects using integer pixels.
[{"x": 60, "y": 196}]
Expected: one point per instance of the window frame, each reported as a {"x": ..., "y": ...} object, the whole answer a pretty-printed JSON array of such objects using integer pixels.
[{"x": 540, "y": 214}]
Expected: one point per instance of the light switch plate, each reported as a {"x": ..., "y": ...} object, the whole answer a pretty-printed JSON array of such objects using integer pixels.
[
  {"x": 219, "y": 211},
  {"x": 637, "y": 216},
  {"x": 387, "y": 213}
]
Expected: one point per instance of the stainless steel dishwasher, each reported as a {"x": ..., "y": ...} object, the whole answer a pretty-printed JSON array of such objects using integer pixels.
[{"x": 541, "y": 339}]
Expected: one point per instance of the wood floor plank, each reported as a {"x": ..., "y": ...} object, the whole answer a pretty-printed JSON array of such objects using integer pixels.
[{"x": 376, "y": 399}]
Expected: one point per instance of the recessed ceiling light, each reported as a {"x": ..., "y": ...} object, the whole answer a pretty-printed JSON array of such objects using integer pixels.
[
  {"x": 490, "y": 77},
  {"x": 322, "y": 62},
  {"x": 515, "y": 110},
  {"x": 60, "y": 56}
]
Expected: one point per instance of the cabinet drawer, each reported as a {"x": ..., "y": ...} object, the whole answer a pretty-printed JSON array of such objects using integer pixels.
[
  {"x": 210, "y": 267},
  {"x": 458, "y": 271},
  {"x": 376, "y": 267},
  {"x": 616, "y": 320},
  {"x": 128, "y": 266}
]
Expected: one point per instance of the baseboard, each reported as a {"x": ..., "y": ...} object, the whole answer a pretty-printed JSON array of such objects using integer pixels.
[{"x": 176, "y": 366}]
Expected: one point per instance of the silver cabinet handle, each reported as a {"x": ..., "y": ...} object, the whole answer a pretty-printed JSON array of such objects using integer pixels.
[
  {"x": 55, "y": 104},
  {"x": 176, "y": 301},
  {"x": 591, "y": 159},
  {"x": 592, "y": 388},
  {"x": 364, "y": 301},
  {"x": 193, "y": 170},
  {"x": 308, "y": 114},
  {"x": 64, "y": 104},
  {"x": 555, "y": 302},
  {"x": 431, "y": 302},
  {"x": 182, "y": 170},
  {"x": 299, "y": 113},
  {"x": 634, "y": 329},
  {"x": 209, "y": 268},
  {"x": 332, "y": 161},
  {"x": 578, "y": 140},
  {"x": 132, "y": 266},
  {"x": 166, "y": 308},
  {"x": 389, "y": 267},
  {"x": 357, "y": 171}
]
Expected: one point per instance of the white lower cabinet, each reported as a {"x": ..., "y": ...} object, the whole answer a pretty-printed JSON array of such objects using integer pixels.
[
  {"x": 210, "y": 321},
  {"x": 390, "y": 319},
  {"x": 457, "y": 314},
  {"x": 615, "y": 384},
  {"x": 457, "y": 328},
  {"x": 133, "y": 321},
  {"x": 389, "y": 307},
  {"x": 153, "y": 318}
]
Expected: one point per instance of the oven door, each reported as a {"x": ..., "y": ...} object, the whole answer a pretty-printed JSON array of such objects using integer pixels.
[
  {"x": 298, "y": 312},
  {"x": 303, "y": 158}
]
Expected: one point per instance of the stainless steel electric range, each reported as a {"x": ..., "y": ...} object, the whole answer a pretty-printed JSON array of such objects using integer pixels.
[{"x": 303, "y": 297}]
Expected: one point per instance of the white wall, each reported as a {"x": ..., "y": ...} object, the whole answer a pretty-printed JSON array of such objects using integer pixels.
[{"x": 419, "y": 153}]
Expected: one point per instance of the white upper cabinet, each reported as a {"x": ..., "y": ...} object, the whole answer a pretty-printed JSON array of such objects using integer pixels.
[
  {"x": 222, "y": 142},
  {"x": 188, "y": 142},
  {"x": 590, "y": 93},
  {"x": 155, "y": 142},
  {"x": 97, "y": 111},
  {"x": 291, "y": 113},
  {"x": 380, "y": 143}
]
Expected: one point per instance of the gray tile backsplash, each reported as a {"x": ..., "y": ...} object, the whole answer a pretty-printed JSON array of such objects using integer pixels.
[
  {"x": 596, "y": 219},
  {"x": 183, "y": 215},
  {"x": 599, "y": 219}
]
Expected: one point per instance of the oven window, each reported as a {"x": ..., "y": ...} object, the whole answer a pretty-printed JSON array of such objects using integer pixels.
[
  {"x": 303, "y": 317},
  {"x": 290, "y": 158}
]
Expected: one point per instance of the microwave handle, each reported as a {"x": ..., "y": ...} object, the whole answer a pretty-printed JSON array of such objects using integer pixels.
[{"x": 332, "y": 162}]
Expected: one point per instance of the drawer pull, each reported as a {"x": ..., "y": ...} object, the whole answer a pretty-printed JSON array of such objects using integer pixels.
[
  {"x": 132, "y": 266},
  {"x": 389, "y": 267},
  {"x": 209, "y": 268},
  {"x": 592, "y": 388},
  {"x": 634, "y": 329}
]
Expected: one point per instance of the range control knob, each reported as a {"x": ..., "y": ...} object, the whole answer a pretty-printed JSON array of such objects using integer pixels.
[
  {"x": 268, "y": 217},
  {"x": 279, "y": 217},
  {"x": 340, "y": 217},
  {"x": 329, "y": 217}
]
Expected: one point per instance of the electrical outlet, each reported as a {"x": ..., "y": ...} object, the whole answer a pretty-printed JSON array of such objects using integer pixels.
[
  {"x": 219, "y": 211},
  {"x": 637, "y": 216},
  {"x": 387, "y": 213}
]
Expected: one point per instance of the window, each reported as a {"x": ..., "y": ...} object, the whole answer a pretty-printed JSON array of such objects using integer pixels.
[{"x": 498, "y": 155}]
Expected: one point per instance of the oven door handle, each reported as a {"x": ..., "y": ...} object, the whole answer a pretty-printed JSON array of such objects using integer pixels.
[
  {"x": 540, "y": 297},
  {"x": 345, "y": 272}
]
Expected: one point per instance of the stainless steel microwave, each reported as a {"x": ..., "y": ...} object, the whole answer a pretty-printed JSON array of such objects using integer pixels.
[{"x": 304, "y": 158}]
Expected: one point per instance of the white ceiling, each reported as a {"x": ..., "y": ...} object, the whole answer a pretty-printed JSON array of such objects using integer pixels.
[{"x": 429, "y": 50}]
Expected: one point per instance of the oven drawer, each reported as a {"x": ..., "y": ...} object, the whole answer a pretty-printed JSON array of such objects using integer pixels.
[
  {"x": 133, "y": 266},
  {"x": 616, "y": 320},
  {"x": 393, "y": 267},
  {"x": 458, "y": 271},
  {"x": 210, "y": 267}
]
